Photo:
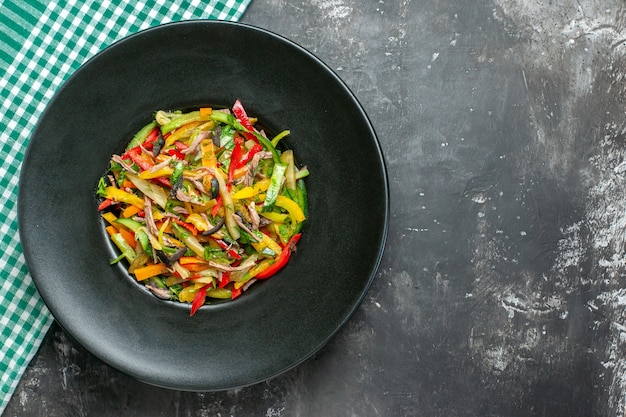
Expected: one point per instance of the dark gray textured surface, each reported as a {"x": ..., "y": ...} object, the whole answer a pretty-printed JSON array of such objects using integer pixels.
[{"x": 502, "y": 290}]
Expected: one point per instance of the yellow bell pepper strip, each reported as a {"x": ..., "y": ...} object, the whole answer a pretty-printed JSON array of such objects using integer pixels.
[
  {"x": 275, "y": 217},
  {"x": 122, "y": 196},
  {"x": 187, "y": 294},
  {"x": 281, "y": 260},
  {"x": 266, "y": 242},
  {"x": 161, "y": 172},
  {"x": 180, "y": 133},
  {"x": 149, "y": 271},
  {"x": 258, "y": 268},
  {"x": 294, "y": 210},
  {"x": 275, "y": 184},
  {"x": 110, "y": 218},
  {"x": 198, "y": 221},
  {"x": 141, "y": 135},
  {"x": 252, "y": 190}
]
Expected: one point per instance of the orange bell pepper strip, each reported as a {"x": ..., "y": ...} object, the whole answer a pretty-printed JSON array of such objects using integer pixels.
[{"x": 149, "y": 271}]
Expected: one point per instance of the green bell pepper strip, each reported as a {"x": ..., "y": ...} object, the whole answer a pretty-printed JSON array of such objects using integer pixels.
[
  {"x": 219, "y": 293},
  {"x": 127, "y": 251},
  {"x": 140, "y": 235},
  {"x": 230, "y": 120},
  {"x": 176, "y": 179},
  {"x": 300, "y": 197},
  {"x": 278, "y": 137},
  {"x": 189, "y": 240},
  {"x": 274, "y": 188},
  {"x": 183, "y": 119},
  {"x": 141, "y": 135},
  {"x": 130, "y": 223},
  {"x": 302, "y": 173}
]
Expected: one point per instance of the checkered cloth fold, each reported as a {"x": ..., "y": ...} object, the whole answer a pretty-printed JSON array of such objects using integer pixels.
[{"x": 41, "y": 44}]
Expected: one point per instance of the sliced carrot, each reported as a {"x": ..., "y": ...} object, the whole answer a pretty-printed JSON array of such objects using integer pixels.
[
  {"x": 130, "y": 211},
  {"x": 208, "y": 154},
  {"x": 128, "y": 183},
  {"x": 205, "y": 111},
  {"x": 111, "y": 230},
  {"x": 149, "y": 271},
  {"x": 197, "y": 267},
  {"x": 129, "y": 237},
  {"x": 185, "y": 260}
]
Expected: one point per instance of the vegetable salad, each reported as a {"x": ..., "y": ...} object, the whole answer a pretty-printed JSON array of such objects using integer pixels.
[{"x": 203, "y": 204}]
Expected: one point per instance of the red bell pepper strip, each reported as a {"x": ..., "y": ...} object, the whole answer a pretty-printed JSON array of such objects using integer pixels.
[
  {"x": 106, "y": 203},
  {"x": 180, "y": 145},
  {"x": 144, "y": 162},
  {"x": 282, "y": 259},
  {"x": 187, "y": 226},
  {"x": 242, "y": 117},
  {"x": 250, "y": 154},
  {"x": 217, "y": 206},
  {"x": 148, "y": 143},
  {"x": 151, "y": 138},
  {"x": 235, "y": 157},
  {"x": 198, "y": 300},
  {"x": 225, "y": 279},
  {"x": 235, "y": 292},
  {"x": 231, "y": 252},
  {"x": 176, "y": 153}
]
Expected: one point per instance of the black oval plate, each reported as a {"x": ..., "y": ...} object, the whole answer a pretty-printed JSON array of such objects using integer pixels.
[{"x": 276, "y": 324}]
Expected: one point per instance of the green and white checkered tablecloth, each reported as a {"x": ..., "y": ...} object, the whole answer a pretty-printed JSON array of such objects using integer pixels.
[{"x": 41, "y": 44}]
